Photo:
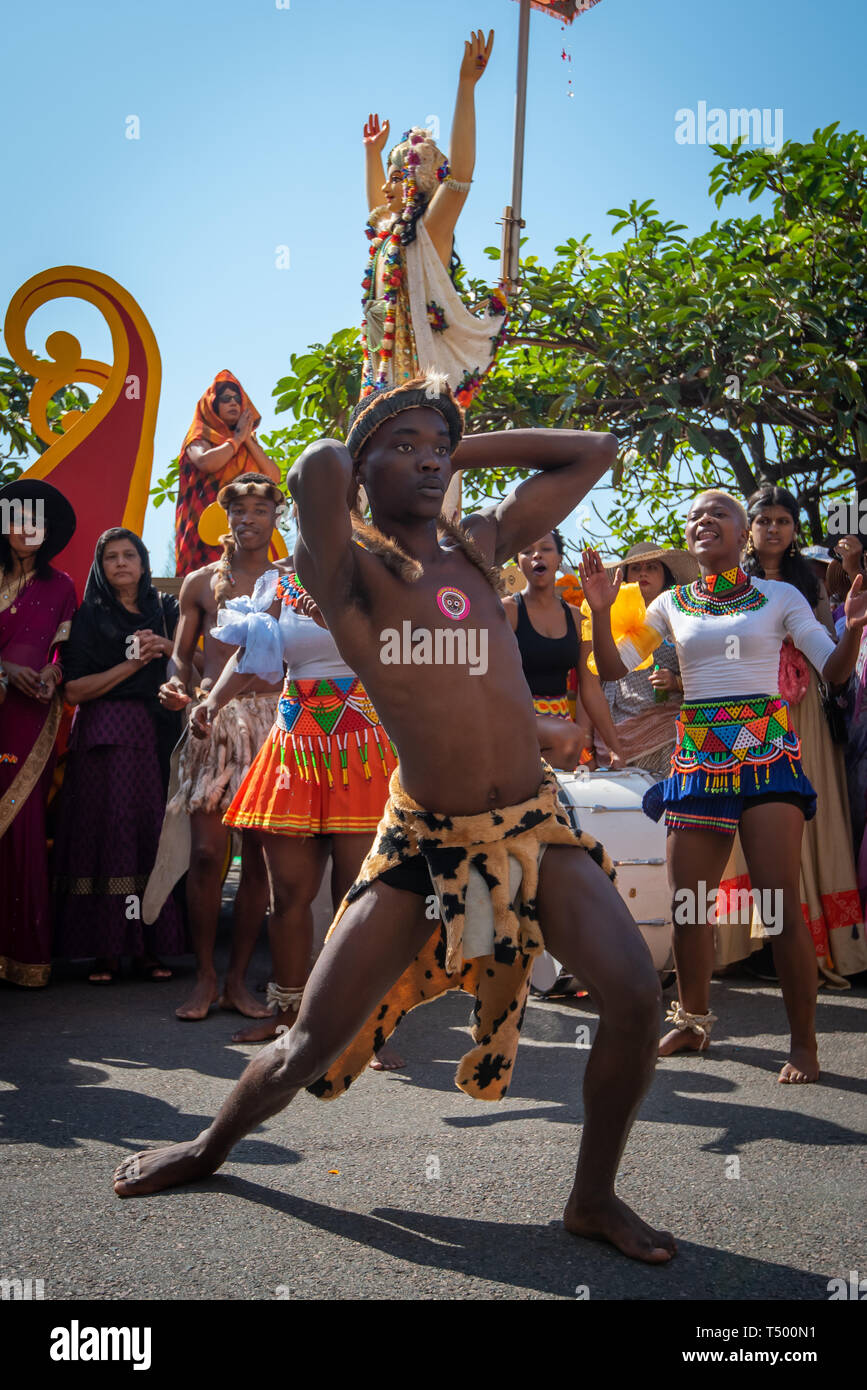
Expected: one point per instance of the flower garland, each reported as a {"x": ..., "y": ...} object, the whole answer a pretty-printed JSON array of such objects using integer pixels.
[{"x": 391, "y": 240}]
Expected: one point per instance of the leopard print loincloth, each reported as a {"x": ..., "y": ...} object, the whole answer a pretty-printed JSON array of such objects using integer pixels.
[{"x": 501, "y": 981}]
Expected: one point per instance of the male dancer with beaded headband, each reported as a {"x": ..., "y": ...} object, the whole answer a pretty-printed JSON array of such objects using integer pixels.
[
  {"x": 493, "y": 830},
  {"x": 211, "y": 771}
]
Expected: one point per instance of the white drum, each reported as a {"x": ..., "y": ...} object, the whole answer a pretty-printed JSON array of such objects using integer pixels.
[{"x": 607, "y": 805}]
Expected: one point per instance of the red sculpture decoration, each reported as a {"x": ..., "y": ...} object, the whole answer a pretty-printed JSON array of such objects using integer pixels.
[{"x": 102, "y": 461}]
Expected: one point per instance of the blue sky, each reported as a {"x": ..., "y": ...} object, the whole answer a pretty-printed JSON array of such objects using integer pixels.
[{"x": 250, "y": 138}]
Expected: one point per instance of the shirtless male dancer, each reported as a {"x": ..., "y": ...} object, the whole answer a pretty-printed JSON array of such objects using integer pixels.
[
  {"x": 211, "y": 774},
  {"x": 468, "y": 750}
]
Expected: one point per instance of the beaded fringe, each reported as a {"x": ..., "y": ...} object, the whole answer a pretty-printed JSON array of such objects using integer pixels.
[{"x": 314, "y": 757}]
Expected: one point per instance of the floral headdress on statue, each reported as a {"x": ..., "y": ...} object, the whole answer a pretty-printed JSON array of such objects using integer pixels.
[
  {"x": 423, "y": 167},
  {"x": 418, "y": 158}
]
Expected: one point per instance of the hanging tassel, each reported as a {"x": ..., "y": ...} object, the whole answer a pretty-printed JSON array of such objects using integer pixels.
[
  {"x": 326, "y": 761},
  {"x": 381, "y": 754},
  {"x": 362, "y": 753},
  {"x": 313, "y": 761},
  {"x": 342, "y": 751},
  {"x": 306, "y": 770}
]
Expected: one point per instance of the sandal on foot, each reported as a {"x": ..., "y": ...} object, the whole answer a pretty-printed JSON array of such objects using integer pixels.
[
  {"x": 148, "y": 969},
  {"x": 105, "y": 969}
]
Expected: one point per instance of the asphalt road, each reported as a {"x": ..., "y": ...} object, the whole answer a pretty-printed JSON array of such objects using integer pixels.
[{"x": 405, "y": 1188}]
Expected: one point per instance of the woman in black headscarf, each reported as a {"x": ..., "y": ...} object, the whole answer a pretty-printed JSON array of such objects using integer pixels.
[{"x": 113, "y": 796}]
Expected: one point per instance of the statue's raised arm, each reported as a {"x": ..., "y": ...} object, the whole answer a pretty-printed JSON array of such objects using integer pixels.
[{"x": 449, "y": 199}]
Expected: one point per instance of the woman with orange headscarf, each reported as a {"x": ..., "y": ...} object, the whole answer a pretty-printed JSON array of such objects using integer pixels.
[{"x": 219, "y": 445}]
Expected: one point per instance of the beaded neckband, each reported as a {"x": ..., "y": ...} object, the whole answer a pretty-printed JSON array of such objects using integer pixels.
[
  {"x": 719, "y": 594},
  {"x": 719, "y": 584},
  {"x": 290, "y": 589}
]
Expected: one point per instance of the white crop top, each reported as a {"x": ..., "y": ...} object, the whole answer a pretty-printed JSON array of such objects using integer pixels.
[
  {"x": 738, "y": 653},
  {"x": 308, "y": 650}
]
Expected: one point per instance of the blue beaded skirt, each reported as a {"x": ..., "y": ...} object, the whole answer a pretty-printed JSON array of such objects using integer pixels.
[{"x": 729, "y": 750}]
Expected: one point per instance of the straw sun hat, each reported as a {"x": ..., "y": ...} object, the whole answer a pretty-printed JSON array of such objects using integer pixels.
[{"x": 683, "y": 566}]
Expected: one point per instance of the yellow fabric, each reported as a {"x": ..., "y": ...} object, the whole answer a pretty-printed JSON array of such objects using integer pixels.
[{"x": 627, "y": 625}]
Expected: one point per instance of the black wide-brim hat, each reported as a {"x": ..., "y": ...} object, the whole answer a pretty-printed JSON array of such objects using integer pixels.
[{"x": 60, "y": 519}]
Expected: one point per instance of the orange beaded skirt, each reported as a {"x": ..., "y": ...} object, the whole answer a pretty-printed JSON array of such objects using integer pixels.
[{"x": 324, "y": 768}]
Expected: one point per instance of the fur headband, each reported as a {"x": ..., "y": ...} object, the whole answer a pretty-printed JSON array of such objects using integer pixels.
[
  {"x": 252, "y": 485},
  {"x": 375, "y": 408}
]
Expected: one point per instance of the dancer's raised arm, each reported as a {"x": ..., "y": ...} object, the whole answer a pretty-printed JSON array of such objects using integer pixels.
[
  {"x": 320, "y": 482},
  {"x": 600, "y": 591},
  {"x": 567, "y": 462}
]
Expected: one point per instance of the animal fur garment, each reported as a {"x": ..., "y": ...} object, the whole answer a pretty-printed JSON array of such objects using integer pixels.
[
  {"x": 212, "y": 769},
  {"x": 450, "y": 845},
  {"x": 396, "y": 559}
]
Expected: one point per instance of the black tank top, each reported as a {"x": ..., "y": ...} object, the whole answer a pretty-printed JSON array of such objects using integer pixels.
[{"x": 547, "y": 661}]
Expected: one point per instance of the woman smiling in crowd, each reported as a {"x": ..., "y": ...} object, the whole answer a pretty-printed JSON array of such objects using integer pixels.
[{"x": 737, "y": 762}]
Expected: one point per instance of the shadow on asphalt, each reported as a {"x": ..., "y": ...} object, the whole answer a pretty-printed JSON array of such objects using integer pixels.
[
  {"x": 684, "y": 1092},
  {"x": 49, "y": 1028},
  {"x": 544, "y": 1258}
]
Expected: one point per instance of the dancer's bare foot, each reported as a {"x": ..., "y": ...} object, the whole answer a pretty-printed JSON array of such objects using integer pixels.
[
  {"x": 267, "y": 1029},
  {"x": 681, "y": 1040},
  {"x": 386, "y": 1059},
  {"x": 198, "y": 1005},
  {"x": 618, "y": 1224},
  {"x": 154, "y": 1169},
  {"x": 802, "y": 1066},
  {"x": 237, "y": 998}
]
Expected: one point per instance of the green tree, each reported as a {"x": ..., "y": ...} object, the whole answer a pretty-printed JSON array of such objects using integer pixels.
[
  {"x": 17, "y": 438},
  {"x": 734, "y": 357}
]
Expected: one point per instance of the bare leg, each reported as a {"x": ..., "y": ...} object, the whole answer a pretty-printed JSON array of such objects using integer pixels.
[
  {"x": 348, "y": 852},
  {"x": 696, "y": 860},
  {"x": 295, "y": 866},
  {"x": 204, "y": 894},
  {"x": 251, "y": 904},
  {"x": 771, "y": 836},
  {"x": 379, "y": 937},
  {"x": 601, "y": 944}
]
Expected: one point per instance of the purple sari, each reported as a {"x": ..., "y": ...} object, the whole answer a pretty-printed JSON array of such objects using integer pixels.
[{"x": 30, "y": 630}]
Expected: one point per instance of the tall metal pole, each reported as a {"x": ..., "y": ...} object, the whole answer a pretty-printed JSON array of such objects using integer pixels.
[{"x": 512, "y": 222}]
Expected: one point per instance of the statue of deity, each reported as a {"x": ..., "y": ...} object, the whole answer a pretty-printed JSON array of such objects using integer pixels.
[{"x": 415, "y": 321}]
